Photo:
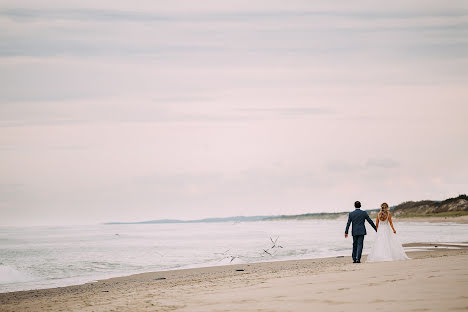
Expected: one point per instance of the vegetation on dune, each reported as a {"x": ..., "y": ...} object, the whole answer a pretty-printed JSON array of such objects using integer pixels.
[{"x": 452, "y": 207}]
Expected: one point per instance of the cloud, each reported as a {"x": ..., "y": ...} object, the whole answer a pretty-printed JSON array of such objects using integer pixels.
[
  {"x": 299, "y": 31},
  {"x": 289, "y": 111},
  {"x": 162, "y": 110},
  {"x": 151, "y": 15},
  {"x": 384, "y": 163},
  {"x": 345, "y": 166},
  {"x": 173, "y": 109}
]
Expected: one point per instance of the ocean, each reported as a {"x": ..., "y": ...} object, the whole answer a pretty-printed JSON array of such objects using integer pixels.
[{"x": 45, "y": 257}]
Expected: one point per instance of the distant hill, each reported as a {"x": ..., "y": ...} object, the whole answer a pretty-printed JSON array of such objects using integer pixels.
[
  {"x": 452, "y": 207},
  {"x": 306, "y": 216},
  {"x": 243, "y": 219},
  {"x": 207, "y": 220}
]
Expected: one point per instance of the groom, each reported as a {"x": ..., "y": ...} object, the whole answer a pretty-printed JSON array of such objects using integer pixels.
[{"x": 357, "y": 218}]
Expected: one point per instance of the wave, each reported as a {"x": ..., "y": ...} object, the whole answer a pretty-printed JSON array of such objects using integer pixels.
[{"x": 9, "y": 275}]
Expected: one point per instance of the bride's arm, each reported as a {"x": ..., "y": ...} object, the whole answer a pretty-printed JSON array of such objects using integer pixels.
[
  {"x": 390, "y": 221},
  {"x": 377, "y": 221}
]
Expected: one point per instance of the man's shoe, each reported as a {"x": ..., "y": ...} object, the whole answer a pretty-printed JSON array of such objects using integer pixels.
[
  {"x": 358, "y": 261},
  {"x": 354, "y": 261}
]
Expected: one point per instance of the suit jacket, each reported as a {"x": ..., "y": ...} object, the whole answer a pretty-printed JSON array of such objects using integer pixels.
[{"x": 358, "y": 218}]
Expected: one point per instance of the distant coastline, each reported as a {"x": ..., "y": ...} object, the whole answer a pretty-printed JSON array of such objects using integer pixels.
[
  {"x": 243, "y": 218},
  {"x": 450, "y": 209},
  {"x": 206, "y": 220}
]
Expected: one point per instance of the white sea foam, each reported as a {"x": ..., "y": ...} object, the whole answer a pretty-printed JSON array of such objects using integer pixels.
[{"x": 9, "y": 275}]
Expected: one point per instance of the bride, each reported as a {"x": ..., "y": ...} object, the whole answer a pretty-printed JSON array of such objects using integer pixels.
[{"x": 386, "y": 247}]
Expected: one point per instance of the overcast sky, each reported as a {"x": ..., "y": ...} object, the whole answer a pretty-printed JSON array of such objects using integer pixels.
[{"x": 113, "y": 111}]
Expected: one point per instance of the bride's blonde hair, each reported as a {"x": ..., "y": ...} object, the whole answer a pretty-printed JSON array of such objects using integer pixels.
[{"x": 383, "y": 211}]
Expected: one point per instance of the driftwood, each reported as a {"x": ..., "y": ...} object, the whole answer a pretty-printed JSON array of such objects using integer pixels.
[
  {"x": 227, "y": 257},
  {"x": 275, "y": 243},
  {"x": 269, "y": 251}
]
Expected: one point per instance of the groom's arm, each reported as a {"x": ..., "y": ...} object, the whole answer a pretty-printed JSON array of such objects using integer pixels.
[
  {"x": 347, "y": 226},
  {"x": 370, "y": 222}
]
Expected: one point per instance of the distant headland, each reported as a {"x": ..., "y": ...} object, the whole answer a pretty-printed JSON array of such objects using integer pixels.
[{"x": 449, "y": 208}]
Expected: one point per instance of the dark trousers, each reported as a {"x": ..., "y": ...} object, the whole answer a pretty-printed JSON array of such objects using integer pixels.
[{"x": 358, "y": 243}]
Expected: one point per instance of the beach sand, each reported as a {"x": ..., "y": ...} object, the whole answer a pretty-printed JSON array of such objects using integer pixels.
[
  {"x": 433, "y": 280},
  {"x": 434, "y": 219}
]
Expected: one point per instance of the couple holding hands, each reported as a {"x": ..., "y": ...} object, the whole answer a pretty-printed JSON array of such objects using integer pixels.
[{"x": 386, "y": 247}]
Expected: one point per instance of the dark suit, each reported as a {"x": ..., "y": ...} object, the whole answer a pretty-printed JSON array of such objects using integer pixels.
[{"x": 358, "y": 218}]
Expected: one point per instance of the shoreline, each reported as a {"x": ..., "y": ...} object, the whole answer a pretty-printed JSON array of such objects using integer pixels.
[
  {"x": 162, "y": 291},
  {"x": 413, "y": 247}
]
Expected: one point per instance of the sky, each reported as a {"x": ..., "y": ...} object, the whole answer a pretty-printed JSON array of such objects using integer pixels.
[{"x": 142, "y": 110}]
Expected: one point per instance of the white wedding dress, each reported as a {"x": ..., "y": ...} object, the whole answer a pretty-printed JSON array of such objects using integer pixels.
[{"x": 387, "y": 246}]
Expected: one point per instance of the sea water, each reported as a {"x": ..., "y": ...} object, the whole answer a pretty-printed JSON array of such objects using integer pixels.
[{"x": 44, "y": 257}]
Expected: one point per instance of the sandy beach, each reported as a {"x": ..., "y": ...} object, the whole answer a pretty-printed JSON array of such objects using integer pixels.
[
  {"x": 435, "y": 219},
  {"x": 431, "y": 219},
  {"x": 433, "y": 280}
]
